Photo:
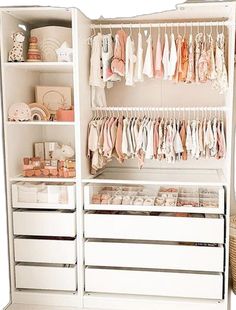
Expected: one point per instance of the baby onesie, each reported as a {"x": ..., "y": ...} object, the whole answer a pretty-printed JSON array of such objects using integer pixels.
[{"x": 148, "y": 62}]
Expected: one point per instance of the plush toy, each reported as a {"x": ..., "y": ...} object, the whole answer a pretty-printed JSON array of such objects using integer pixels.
[
  {"x": 62, "y": 153},
  {"x": 64, "y": 53},
  {"x": 16, "y": 53},
  {"x": 19, "y": 112}
]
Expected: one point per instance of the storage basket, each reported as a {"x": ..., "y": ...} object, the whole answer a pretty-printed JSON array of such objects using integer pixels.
[{"x": 233, "y": 251}]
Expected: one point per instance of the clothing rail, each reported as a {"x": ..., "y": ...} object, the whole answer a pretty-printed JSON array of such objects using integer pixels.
[
  {"x": 161, "y": 25},
  {"x": 139, "y": 109}
]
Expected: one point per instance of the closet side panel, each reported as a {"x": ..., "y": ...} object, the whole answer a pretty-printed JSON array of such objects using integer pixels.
[
  {"x": 84, "y": 89},
  {"x": 81, "y": 32}
]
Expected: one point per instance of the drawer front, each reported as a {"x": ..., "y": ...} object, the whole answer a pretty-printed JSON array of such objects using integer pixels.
[
  {"x": 159, "y": 256},
  {"x": 163, "y": 228},
  {"x": 45, "y": 278},
  {"x": 44, "y": 224},
  {"x": 45, "y": 196},
  {"x": 186, "y": 285},
  {"x": 45, "y": 251}
]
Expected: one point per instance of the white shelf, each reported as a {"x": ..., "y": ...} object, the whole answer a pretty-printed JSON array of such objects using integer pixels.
[
  {"x": 40, "y": 123},
  {"x": 41, "y": 66},
  {"x": 160, "y": 177},
  {"x": 153, "y": 209},
  {"x": 20, "y": 178}
]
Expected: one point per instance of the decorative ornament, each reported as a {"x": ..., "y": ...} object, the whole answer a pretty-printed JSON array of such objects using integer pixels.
[
  {"x": 62, "y": 153},
  {"x": 19, "y": 112},
  {"x": 16, "y": 53},
  {"x": 39, "y": 112},
  {"x": 54, "y": 97},
  {"x": 64, "y": 53},
  {"x": 33, "y": 51}
]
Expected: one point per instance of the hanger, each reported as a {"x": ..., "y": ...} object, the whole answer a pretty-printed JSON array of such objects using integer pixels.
[
  {"x": 91, "y": 36},
  {"x": 130, "y": 31}
]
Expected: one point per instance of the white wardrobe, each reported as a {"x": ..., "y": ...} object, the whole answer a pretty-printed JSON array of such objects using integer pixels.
[{"x": 79, "y": 254}]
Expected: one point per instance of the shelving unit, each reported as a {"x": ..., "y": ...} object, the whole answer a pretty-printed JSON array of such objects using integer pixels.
[
  {"x": 30, "y": 276},
  {"x": 115, "y": 256}
]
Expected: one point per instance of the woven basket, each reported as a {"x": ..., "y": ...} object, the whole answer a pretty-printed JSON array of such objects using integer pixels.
[{"x": 233, "y": 251}]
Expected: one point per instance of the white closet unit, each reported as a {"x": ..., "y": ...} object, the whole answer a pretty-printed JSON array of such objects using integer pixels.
[{"x": 83, "y": 253}]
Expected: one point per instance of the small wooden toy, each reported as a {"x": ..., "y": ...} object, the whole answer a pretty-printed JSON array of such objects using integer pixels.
[
  {"x": 39, "y": 112},
  {"x": 35, "y": 167},
  {"x": 64, "y": 53},
  {"x": 33, "y": 54},
  {"x": 19, "y": 112},
  {"x": 16, "y": 53}
]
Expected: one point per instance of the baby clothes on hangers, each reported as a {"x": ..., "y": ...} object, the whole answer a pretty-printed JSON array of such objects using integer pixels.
[
  {"x": 178, "y": 145},
  {"x": 173, "y": 58},
  {"x": 118, "y": 61},
  {"x": 130, "y": 61},
  {"x": 184, "y": 60},
  {"x": 221, "y": 81},
  {"x": 183, "y": 140},
  {"x": 158, "y": 60},
  {"x": 138, "y": 76},
  {"x": 203, "y": 62},
  {"x": 148, "y": 67},
  {"x": 178, "y": 71},
  {"x": 107, "y": 55},
  {"x": 211, "y": 67},
  {"x": 165, "y": 58},
  {"x": 95, "y": 78},
  {"x": 198, "y": 47},
  {"x": 190, "y": 72}
]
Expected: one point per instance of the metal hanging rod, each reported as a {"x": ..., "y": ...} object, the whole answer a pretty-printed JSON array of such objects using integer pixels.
[
  {"x": 140, "y": 109},
  {"x": 163, "y": 24}
]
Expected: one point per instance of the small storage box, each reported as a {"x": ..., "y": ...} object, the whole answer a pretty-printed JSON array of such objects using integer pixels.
[
  {"x": 43, "y": 195},
  {"x": 46, "y": 278}
]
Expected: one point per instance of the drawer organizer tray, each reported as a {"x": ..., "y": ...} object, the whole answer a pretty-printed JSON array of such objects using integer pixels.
[
  {"x": 45, "y": 278},
  {"x": 153, "y": 255},
  {"x": 171, "y": 284},
  {"x": 155, "y": 198},
  {"x": 44, "y": 223},
  {"x": 45, "y": 251},
  {"x": 34, "y": 195}
]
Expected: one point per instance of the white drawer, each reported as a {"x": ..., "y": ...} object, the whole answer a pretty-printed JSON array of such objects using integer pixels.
[
  {"x": 159, "y": 256},
  {"x": 162, "y": 228},
  {"x": 42, "y": 223},
  {"x": 187, "y": 285},
  {"x": 45, "y": 251},
  {"x": 46, "y": 278},
  {"x": 43, "y": 196}
]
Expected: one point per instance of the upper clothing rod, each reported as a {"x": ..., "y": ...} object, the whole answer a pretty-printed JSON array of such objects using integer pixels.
[
  {"x": 221, "y": 108},
  {"x": 163, "y": 24}
]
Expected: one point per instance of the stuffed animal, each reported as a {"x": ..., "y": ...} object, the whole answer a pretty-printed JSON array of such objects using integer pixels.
[
  {"x": 16, "y": 53},
  {"x": 62, "y": 153},
  {"x": 64, "y": 53},
  {"x": 19, "y": 112}
]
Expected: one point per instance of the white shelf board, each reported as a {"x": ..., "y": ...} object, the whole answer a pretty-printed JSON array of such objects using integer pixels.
[
  {"x": 40, "y": 123},
  {"x": 41, "y": 66},
  {"x": 153, "y": 209},
  {"x": 20, "y": 178},
  {"x": 38, "y": 307},
  {"x": 160, "y": 177}
]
